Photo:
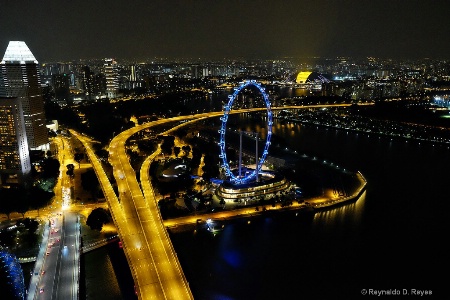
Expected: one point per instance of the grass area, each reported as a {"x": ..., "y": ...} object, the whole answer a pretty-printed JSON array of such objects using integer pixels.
[
  {"x": 23, "y": 241},
  {"x": 25, "y": 244},
  {"x": 80, "y": 195},
  {"x": 39, "y": 233}
]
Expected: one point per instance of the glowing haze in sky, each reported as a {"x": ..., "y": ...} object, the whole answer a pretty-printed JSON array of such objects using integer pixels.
[{"x": 60, "y": 30}]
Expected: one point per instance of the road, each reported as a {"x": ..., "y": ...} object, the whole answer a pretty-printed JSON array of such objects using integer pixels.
[
  {"x": 50, "y": 261},
  {"x": 117, "y": 213},
  {"x": 153, "y": 262},
  {"x": 60, "y": 279},
  {"x": 60, "y": 276},
  {"x": 155, "y": 268},
  {"x": 66, "y": 282},
  {"x": 161, "y": 276},
  {"x": 325, "y": 200},
  {"x": 33, "y": 289}
]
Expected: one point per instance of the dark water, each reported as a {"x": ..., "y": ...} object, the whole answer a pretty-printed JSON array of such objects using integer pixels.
[
  {"x": 393, "y": 237},
  {"x": 105, "y": 275}
]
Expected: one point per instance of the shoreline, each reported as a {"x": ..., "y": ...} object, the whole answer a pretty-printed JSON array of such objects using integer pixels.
[{"x": 310, "y": 206}]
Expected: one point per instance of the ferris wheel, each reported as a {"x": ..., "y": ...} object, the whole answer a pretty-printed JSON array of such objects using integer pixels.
[{"x": 239, "y": 179}]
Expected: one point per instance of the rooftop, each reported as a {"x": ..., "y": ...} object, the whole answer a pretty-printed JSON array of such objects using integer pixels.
[{"x": 18, "y": 51}]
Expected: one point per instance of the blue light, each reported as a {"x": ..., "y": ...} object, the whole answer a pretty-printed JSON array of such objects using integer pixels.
[
  {"x": 14, "y": 277},
  {"x": 227, "y": 109}
]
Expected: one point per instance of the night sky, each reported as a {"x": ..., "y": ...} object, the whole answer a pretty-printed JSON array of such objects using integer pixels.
[{"x": 216, "y": 29}]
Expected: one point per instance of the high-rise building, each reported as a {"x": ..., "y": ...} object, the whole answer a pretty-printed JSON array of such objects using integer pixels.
[
  {"x": 19, "y": 78},
  {"x": 61, "y": 87},
  {"x": 15, "y": 163},
  {"x": 133, "y": 76},
  {"x": 88, "y": 83},
  {"x": 112, "y": 78}
]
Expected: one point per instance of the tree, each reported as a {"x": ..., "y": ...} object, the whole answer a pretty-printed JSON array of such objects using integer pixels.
[
  {"x": 176, "y": 151},
  {"x": 103, "y": 125},
  {"x": 96, "y": 147},
  {"x": 40, "y": 198},
  {"x": 167, "y": 144},
  {"x": 186, "y": 149},
  {"x": 196, "y": 157},
  {"x": 210, "y": 169},
  {"x": 89, "y": 181},
  {"x": 31, "y": 224},
  {"x": 6, "y": 202},
  {"x": 206, "y": 175},
  {"x": 50, "y": 167},
  {"x": 78, "y": 157},
  {"x": 147, "y": 146},
  {"x": 22, "y": 203},
  {"x": 102, "y": 154},
  {"x": 70, "y": 169},
  {"x": 181, "y": 133},
  {"x": 13, "y": 199},
  {"x": 97, "y": 218}
]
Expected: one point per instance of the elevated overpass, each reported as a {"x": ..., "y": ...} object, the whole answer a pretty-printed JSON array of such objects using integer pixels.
[{"x": 153, "y": 262}]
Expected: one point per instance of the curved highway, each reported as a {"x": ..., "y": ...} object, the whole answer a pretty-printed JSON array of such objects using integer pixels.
[{"x": 153, "y": 262}]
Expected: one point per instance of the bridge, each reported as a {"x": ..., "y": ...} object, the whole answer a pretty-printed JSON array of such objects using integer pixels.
[
  {"x": 153, "y": 262},
  {"x": 98, "y": 244}
]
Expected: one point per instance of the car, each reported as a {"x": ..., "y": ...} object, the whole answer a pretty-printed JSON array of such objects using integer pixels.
[
  {"x": 43, "y": 272},
  {"x": 41, "y": 290},
  {"x": 65, "y": 246},
  {"x": 48, "y": 253}
]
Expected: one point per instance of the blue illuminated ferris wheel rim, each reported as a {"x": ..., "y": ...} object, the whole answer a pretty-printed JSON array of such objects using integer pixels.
[{"x": 224, "y": 119}]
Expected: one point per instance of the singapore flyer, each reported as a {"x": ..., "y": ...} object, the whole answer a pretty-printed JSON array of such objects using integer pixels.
[{"x": 236, "y": 179}]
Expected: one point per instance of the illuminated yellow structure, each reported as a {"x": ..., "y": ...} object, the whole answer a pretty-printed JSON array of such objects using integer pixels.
[
  {"x": 271, "y": 184},
  {"x": 302, "y": 77}
]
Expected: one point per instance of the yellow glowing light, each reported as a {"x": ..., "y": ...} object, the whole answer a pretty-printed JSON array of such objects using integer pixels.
[{"x": 302, "y": 77}]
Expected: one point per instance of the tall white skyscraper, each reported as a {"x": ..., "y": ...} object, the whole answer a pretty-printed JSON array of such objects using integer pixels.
[
  {"x": 19, "y": 78},
  {"x": 15, "y": 163}
]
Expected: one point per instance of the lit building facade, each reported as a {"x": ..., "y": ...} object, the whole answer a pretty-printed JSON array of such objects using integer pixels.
[
  {"x": 19, "y": 77},
  {"x": 112, "y": 78},
  {"x": 15, "y": 163}
]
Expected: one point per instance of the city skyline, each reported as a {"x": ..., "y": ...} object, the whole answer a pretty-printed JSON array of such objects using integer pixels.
[
  {"x": 228, "y": 29},
  {"x": 121, "y": 108}
]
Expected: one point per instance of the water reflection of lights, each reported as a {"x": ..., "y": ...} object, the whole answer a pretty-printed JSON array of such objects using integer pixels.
[
  {"x": 212, "y": 227},
  {"x": 352, "y": 211}
]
